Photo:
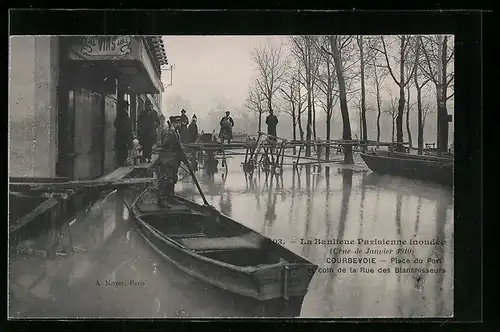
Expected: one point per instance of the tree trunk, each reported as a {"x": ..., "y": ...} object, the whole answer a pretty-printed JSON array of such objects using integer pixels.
[
  {"x": 299, "y": 122},
  {"x": 294, "y": 124},
  {"x": 314, "y": 117},
  {"x": 420, "y": 128},
  {"x": 408, "y": 130},
  {"x": 344, "y": 110},
  {"x": 442, "y": 139},
  {"x": 260, "y": 121},
  {"x": 360, "y": 126},
  {"x": 328, "y": 131},
  {"x": 309, "y": 117},
  {"x": 420, "y": 122},
  {"x": 379, "y": 106},
  {"x": 363, "y": 91},
  {"x": 401, "y": 104},
  {"x": 393, "y": 126}
]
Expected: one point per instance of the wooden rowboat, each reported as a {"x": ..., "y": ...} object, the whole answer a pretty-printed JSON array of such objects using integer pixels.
[
  {"x": 215, "y": 249},
  {"x": 427, "y": 168}
]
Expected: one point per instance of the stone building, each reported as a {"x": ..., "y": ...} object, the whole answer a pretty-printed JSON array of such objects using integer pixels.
[{"x": 63, "y": 93}]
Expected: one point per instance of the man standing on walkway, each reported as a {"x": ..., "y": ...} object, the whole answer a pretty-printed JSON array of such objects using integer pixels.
[
  {"x": 148, "y": 124},
  {"x": 169, "y": 161},
  {"x": 123, "y": 133},
  {"x": 272, "y": 122},
  {"x": 184, "y": 125},
  {"x": 226, "y": 128}
]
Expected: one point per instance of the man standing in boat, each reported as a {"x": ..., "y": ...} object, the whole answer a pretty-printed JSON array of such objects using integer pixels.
[{"x": 169, "y": 161}]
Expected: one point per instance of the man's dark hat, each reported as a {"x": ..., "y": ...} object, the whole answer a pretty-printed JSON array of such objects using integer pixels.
[
  {"x": 175, "y": 118},
  {"x": 183, "y": 111},
  {"x": 227, "y": 112},
  {"x": 194, "y": 116}
]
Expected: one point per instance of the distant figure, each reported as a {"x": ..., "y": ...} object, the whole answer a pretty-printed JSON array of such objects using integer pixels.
[
  {"x": 272, "y": 122},
  {"x": 123, "y": 133},
  {"x": 183, "y": 126},
  {"x": 192, "y": 130},
  {"x": 226, "y": 128},
  {"x": 148, "y": 123}
]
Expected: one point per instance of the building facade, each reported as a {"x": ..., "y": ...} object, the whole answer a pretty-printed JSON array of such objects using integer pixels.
[{"x": 63, "y": 94}]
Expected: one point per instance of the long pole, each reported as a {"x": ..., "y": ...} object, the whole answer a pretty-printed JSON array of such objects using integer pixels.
[{"x": 190, "y": 169}]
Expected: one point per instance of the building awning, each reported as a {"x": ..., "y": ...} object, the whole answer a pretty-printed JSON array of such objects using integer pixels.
[{"x": 137, "y": 68}]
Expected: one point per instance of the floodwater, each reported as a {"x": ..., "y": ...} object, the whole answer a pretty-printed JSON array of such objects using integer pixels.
[{"x": 341, "y": 204}]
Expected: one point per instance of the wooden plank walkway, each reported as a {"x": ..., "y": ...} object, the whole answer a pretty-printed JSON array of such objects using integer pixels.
[
  {"x": 71, "y": 185},
  {"x": 123, "y": 171},
  {"x": 27, "y": 218}
]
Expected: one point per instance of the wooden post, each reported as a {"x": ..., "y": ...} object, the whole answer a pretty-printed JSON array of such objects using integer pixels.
[
  {"x": 53, "y": 236},
  {"x": 298, "y": 155},
  {"x": 282, "y": 153},
  {"x": 65, "y": 229}
]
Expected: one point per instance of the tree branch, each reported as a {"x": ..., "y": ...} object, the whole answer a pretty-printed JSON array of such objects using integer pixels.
[{"x": 387, "y": 61}]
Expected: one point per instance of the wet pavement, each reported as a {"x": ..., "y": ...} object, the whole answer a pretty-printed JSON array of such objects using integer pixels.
[{"x": 340, "y": 205}]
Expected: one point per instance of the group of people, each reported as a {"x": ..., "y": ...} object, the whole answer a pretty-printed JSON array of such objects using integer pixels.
[
  {"x": 171, "y": 154},
  {"x": 188, "y": 131},
  {"x": 227, "y": 124},
  {"x": 127, "y": 145},
  {"x": 177, "y": 131}
]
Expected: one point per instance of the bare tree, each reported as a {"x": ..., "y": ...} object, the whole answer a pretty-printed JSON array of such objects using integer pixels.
[
  {"x": 378, "y": 75},
  {"x": 392, "y": 109},
  {"x": 301, "y": 105},
  {"x": 328, "y": 96},
  {"x": 408, "y": 108},
  {"x": 427, "y": 109},
  {"x": 293, "y": 99},
  {"x": 437, "y": 60},
  {"x": 358, "y": 104},
  {"x": 340, "y": 50},
  {"x": 304, "y": 51},
  {"x": 400, "y": 61},
  {"x": 255, "y": 101},
  {"x": 271, "y": 69},
  {"x": 365, "y": 57},
  {"x": 419, "y": 84}
]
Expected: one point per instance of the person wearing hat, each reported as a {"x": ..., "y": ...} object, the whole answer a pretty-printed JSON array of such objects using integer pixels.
[
  {"x": 148, "y": 123},
  {"x": 123, "y": 133},
  {"x": 226, "y": 128},
  {"x": 272, "y": 122},
  {"x": 184, "y": 125},
  {"x": 169, "y": 161},
  {"x": 192, "y": 131}
]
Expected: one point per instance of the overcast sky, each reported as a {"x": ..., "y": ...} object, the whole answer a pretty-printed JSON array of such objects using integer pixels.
[{"x": 208, "y": 68}]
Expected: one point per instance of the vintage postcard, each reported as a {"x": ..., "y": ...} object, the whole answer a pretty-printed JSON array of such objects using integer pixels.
[{"x": 162, "y": 176}]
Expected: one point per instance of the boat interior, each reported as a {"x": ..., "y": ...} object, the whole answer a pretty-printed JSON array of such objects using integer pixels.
[
  {"x": 443, "y": 158},
  {"x": 212, "y": 237}
]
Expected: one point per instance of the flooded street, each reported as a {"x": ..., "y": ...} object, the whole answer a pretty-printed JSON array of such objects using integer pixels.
[{"x": 300, "y": 208}]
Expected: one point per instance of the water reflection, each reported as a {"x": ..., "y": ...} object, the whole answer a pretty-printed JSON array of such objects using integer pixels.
[
  {"x": 347, "y": 204},
  {"x": 225, "y": 203},
  {"x": 339, "y": 205}
]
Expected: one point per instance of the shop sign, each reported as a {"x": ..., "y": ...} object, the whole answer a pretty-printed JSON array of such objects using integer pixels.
[{"x": 106, "y": 45}]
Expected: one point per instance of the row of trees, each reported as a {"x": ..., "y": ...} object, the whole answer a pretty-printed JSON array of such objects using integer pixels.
[{"x": 333, "y": 72}]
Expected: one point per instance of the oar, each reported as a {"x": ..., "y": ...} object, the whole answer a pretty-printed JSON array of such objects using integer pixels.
[{"x": 190, "y": 169}]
